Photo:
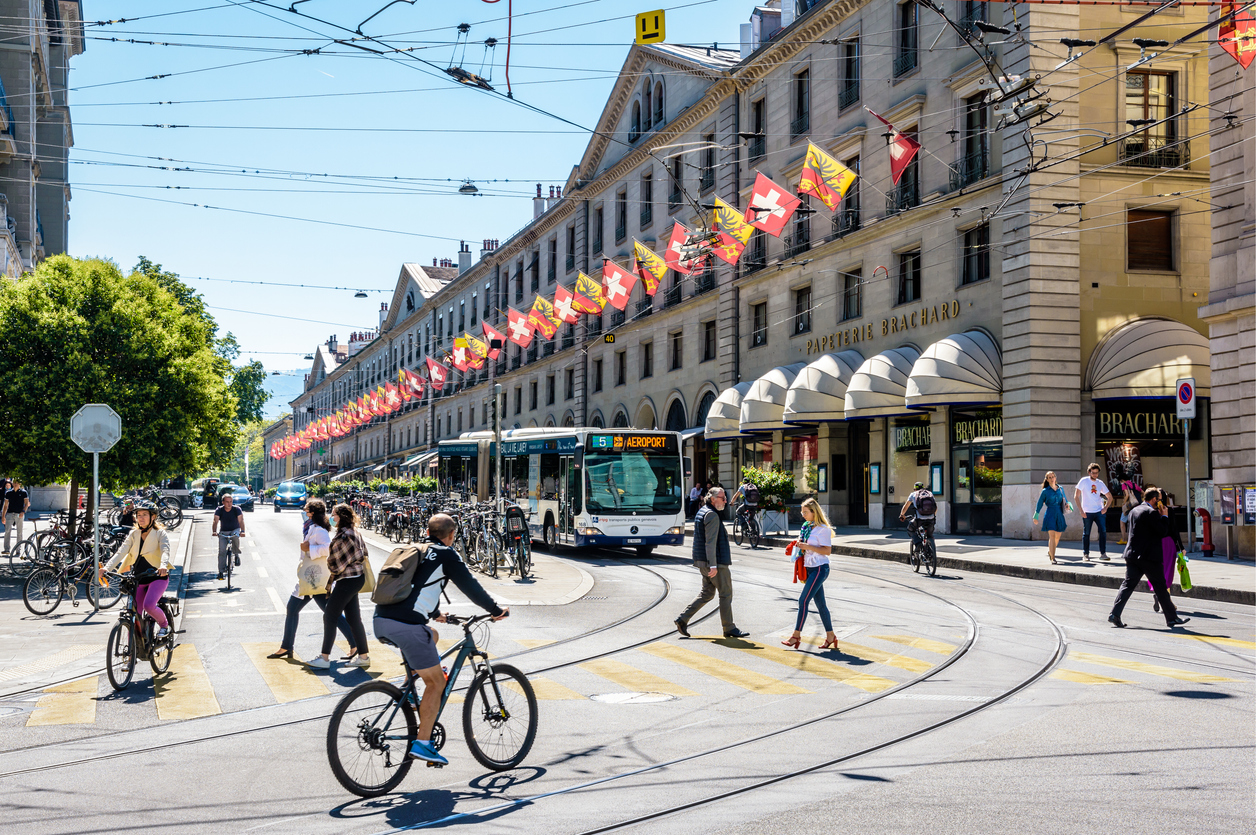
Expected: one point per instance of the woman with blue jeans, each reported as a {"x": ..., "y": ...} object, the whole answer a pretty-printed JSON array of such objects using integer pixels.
[{"x": 816, "y": 543}]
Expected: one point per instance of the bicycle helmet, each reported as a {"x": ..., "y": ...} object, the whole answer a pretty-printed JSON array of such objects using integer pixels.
[
  {"x": 920, "y": 485},
  {"x": 145, "y": 505}
]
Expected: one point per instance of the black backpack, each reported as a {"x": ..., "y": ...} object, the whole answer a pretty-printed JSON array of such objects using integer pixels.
[
  {"x": 750, "y": 494},
  {"x": 926, "y": 505}
]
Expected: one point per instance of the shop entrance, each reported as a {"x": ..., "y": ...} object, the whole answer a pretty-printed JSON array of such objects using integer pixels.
[
  {"x": 857, "y": 475},
  {"x": 977, "y": 461}
]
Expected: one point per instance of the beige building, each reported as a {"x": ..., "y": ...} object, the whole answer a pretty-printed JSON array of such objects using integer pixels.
[
  {"x": 867, "y": 349},
  {"x": 276, "y": 471}
]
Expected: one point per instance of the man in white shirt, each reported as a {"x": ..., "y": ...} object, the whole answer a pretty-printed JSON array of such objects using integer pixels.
[{"x": 1093, "y": 497}]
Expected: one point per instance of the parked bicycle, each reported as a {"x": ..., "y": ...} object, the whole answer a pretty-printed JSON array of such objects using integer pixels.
[
  {"x": 134, "y": 635},
  {"x": 373, "y": 725},
  {"x": 57, "y": 579}
]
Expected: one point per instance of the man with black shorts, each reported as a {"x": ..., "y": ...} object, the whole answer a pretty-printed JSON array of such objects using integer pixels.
[{"x": 229, "y": 518}]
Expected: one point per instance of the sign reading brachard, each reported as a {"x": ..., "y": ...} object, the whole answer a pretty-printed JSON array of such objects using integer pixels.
[
  {"x": 986, "y": 426},
  {"x": 912, "y": 436},
  {"x": 1143, "y": 420},
  {"x": 906, "y": 320}
]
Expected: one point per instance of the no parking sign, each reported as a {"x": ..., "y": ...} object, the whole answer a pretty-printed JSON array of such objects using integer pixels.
[{"x": 1186, "y": 398}]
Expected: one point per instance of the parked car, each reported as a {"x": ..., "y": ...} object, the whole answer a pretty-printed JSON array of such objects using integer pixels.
[{"x": 290, "y": 494}]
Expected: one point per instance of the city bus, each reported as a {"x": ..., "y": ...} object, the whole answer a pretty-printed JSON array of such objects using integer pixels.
[{"x": 580, "y": 486}]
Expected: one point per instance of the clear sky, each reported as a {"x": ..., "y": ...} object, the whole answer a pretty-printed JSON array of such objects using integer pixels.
[{"x": 263, "y": 133}]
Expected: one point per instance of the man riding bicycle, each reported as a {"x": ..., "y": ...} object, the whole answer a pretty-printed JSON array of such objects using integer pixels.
[
  {"x": 231, "y": 520},
  {"x": 926, "y": 510},
  {"x": 749, "y": 494},
  {"x": 405, "y": 623}
]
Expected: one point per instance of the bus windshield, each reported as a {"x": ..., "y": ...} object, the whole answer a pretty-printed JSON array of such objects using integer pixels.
[{"x": 644, "y": 481}]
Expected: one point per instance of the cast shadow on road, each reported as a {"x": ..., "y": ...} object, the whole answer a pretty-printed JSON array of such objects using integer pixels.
[{"x": 429, "y": 805}]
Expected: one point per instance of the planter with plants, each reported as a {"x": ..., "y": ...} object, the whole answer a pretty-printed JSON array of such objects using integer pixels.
[{"x": 776, "y": 486}]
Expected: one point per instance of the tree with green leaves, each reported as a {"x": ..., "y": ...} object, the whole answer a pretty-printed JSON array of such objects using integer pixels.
[{"x": 77, "y": 332}]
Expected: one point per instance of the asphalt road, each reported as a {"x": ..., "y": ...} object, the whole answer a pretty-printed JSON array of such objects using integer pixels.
[{"x": 957, "y": 704}]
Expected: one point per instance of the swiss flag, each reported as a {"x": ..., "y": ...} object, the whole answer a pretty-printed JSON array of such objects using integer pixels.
[
  {"x": 437, "y": 373},
  {"x": 564, "y": 305},
  {"x": 458, "y": 359},
  {"x": 518, "y": 327},
  {"x": 491, "y": 333},
  {"x": 393, "y": 396},
  {"x": 902, "y": 149},
  {"x": 417, "y": 383},
  {"x": 770, "y": 206},
  {"x": 619, "y": 283},
  {"x": 672, "y": 255}
]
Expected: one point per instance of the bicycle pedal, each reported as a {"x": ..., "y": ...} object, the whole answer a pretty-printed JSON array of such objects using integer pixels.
[
  {"x": 435, "y": 765},
  {"x": 76, "y": 603}
]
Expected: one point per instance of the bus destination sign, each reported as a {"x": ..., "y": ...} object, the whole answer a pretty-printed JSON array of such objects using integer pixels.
[{"x": 623, "y": 443}]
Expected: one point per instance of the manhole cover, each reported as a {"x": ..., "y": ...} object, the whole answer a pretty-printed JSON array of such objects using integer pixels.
[{"x": 632, "y": 698}]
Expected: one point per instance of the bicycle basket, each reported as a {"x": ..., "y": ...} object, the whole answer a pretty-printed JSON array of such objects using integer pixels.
[{"x": 516, "y": 522}]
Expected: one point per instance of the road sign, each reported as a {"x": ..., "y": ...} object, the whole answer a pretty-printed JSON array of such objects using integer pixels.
[
  {"x": 651, "y": 27},
  {"x": 95, "y": 428},
  {"x": 609, "y": 339},
  {"x": 1186, "y": 398}
]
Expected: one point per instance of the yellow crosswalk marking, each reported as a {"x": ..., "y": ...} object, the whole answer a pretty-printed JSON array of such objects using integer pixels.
[
  {"x": 1217, "y": 639},
  {"x": 630, "y": 678},
  {"x": 889, "y": 659},
  {"x": 816, "y": 665},
  {"x": 717, "y": 668},
  {"x": 72, "y": 703},
  {"x": 926, "y": 644},
  {"x": 184, "y": 692},
  {"x": 533, "y": 643},
  {"x": 287, "y": 678},
  {"x": 1078, "y": 677},
  {"x": 547, "y": 690},
  {"x": 1141, "y": 667}
]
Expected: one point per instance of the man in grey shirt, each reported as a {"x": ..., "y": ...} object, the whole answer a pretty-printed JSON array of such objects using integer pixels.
[{"x": 711, "y": 556}]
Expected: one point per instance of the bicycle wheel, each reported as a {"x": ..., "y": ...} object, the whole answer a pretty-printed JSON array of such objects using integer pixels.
[
  {"x": 43, "y": 540},
  {"x": 738, "y": 529},
  {"x": 120, "y": 655},
  {"x": 931, "y": 558},
  {"x": 160, "y": 651},
  {"x": 915, "y": 555},
  {"x": 106, "y": 597},
  {"x": 523, "y": 557},
  {"x": 485, "y": 560},
  {"x": 43, "y": 590},
  {"x": 368, "y": 739},
  {"x": 499, "y": 717},
  {"x": 753, "y": 533},
  {"x": 171, "y": 516},
  {"x": 23, "y": 558}
]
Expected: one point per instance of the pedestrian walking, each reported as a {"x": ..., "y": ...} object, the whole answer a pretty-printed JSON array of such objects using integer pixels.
[
  {"x": 13, "y": 513},
  {"x": 346, "y": 560},
  {"x": 1052, "y": 497},
  {"x": 1094, "y": 498},
  {"x": 816, "y": 542},
  {"x": 1171, "y": 546},
  {"x": 315, "y": 544},
  {"x": 1144, "y": 555},
  {"x": 146, "y": 552},
  {"x": 695, "y": 496},
  {"x": 712, "y": 557},
  {"x": 228, "y": 519}
]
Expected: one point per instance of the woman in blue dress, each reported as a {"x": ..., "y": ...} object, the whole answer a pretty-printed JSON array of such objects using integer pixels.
[{"x": 1053, "y": 522}]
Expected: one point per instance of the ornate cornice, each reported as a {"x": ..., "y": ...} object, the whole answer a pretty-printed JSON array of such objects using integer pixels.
[{"x": 767, "y": 59}]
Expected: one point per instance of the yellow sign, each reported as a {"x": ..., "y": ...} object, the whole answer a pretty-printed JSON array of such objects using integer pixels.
[
  {"x": 650, "y": 27},
  {"x": 609, "y": 339}
]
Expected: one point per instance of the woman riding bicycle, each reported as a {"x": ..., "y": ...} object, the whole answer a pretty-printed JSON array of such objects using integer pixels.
[
  {"x": 406, "y": 623},
  {"x": 146, "y": 552}
]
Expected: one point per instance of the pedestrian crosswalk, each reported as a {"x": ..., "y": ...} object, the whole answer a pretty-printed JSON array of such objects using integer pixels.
[{"x": 704, "y": 667}]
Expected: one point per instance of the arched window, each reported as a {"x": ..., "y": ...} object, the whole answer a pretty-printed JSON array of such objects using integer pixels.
[
  {"x": 569, "y": 421},
  {"x": 621, "y": 420},
  {"x": 704, "y": 407},
  {"x": 676, "y": 417},
  {"x": 596, "y": 423},
  {"x": 646, "y": 111},
  {"x": 634, "y": 127},
  {"x": 658, "y": 104}
]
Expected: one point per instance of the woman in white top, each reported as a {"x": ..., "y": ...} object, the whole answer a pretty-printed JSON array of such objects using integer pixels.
[
  {"x": 816, "y": 543},
  {"x": 315, "y": 545}
]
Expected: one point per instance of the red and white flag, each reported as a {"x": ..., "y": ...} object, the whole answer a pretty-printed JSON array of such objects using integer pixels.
[
  {"x": 770, "y": 206},
  {"x": 458, "y": 359},
  {"x": 619, "y": 283},
  {"x": 518, "y": 328},
  {"x": 437, "y": 373},
  {"x": 903, "y": 149},
  {"x": 491, "y": 333},
  {"x": 564, "y": 305},
  {"x": 675, "y": 254}
]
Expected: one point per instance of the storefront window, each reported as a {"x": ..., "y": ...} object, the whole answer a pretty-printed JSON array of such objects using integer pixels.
[
  {"x": 977, "y": 467},
  {"x": 801, "y": 452},
  {"x": 756, "y": 453},
  {"x": 1140, "y": 442},
  {"x": 910, "y": 438}
]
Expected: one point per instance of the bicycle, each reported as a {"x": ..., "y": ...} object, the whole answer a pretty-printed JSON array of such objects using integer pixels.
[
  {"x": 122, "y": 649},
  {"x": 499, "y": 720},
  {"x": 746, "y": 525},
  {"x": 233, "y": 551},
  {"x": 50, "y": 582},
  {"x": 923, "y": 551}
]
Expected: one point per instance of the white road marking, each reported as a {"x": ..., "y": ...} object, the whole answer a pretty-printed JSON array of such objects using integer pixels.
[{"x": 274, "y": 597}]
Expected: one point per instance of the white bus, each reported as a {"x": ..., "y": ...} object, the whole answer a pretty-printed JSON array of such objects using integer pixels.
[{"x": 580, "y": 487}]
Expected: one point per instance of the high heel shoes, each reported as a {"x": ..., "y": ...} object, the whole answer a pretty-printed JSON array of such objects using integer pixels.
[
  {"x": 792, "y": 643},
  {"x": 282, "y": 653},
  {"x": 829, "y": 644}
]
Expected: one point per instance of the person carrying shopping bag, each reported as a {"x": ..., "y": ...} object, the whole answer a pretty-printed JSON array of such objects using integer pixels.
[
  {"x": 815, "y": 541},
  {"x": 346, "y": 560},
  {"x": 315, "y": 546}
]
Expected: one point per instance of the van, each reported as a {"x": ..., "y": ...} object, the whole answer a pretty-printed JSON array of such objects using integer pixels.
[{"x": 290, "y": 494}]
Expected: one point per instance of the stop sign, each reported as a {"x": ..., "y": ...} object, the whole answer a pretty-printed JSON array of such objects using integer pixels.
[{"x": 95, "y": 428}]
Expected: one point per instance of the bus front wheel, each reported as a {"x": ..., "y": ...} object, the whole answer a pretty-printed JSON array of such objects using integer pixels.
[
  {"x": 645, "y": 550},
  {"x": 551, "y": 537}
]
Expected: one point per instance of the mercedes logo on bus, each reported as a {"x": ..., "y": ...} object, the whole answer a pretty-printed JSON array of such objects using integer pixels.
[{"x": 633, "y": 530}]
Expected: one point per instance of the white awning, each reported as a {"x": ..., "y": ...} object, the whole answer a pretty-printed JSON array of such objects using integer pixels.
[
  {"x": 963, "y": 369},
  {"x": 763, "y": 407},
  {"x": 378, "y": 468},
  {"x": 420, "y": 459},
  {"x": 819, "y": 392},
  {"x": 724, "y": 417},
  {"x": 345, "y": 474},
  {"x": 879, "y": 386},
  {"x": 1146, "y": 358},
  {"x": 691, "y": 432}
]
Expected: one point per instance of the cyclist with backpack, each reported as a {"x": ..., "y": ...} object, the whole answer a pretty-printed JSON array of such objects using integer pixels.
[
  {"x": 926, "y": 510},
  {"x": 749, "y": 495},
  {"x": 407, "y": 600}
]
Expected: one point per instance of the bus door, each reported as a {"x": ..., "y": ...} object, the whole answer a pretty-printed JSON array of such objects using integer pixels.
[{"x": 568, "y": 497}]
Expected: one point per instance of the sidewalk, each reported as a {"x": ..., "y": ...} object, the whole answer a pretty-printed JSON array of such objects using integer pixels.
[
  {"x": 1214, "y": 578},
  {"x": 38, "y": 651}
]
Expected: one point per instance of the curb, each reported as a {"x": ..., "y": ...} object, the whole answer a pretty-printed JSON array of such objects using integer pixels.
[
  {"x": 185, "y": 545},
  {"x": 1052, "y": 574}
]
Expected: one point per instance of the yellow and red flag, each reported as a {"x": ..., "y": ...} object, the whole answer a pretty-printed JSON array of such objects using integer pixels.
[
  {"x": 1237, "y": 35},
  {"x": 588, "y": 297},
  {"x": 477, "y": 347},
  {"x": 825, "y": 177},
  {"x": 732, "y": 230},
  {"x": 650, "y": 266},
  {"x": 542, "y": 317}
]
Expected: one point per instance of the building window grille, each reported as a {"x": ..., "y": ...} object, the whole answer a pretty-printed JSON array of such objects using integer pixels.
[
  {"x": 759, "y": 324},
  {"x": 906, "y": 38}
]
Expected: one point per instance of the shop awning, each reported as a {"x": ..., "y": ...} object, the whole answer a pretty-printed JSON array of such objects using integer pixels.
[
  {"x": 420, "y": 459},
  {"x": 963, "y": 369},
  {"x": 345, "y": 474},
  {"x": 819, "y": 392},
  {"x": 691, "y": 432},
  {"x": 1146, "y": 358},
  {"x": 724, "y": 417},
  {"x": 763, "y": 407},
  {"x": 879, "y": 386},
  {"x": 378, "y": 468}
]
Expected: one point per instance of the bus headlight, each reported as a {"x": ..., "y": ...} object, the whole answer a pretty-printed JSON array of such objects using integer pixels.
[
  {"x": 676, "y": 531},
  {"x": 590, "y": 532}
]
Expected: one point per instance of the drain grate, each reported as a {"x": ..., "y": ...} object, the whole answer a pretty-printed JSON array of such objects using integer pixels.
[{"x": 595, "y": 598}]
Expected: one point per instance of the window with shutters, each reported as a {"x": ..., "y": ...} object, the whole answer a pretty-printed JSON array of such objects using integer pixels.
[
  {"x": 852, "y": 295},
  {"x": 801, "y": 121},
  {"x": 802, "y": 310},
  {"x": 678, "y": 358},
  {"x": 569, "y": 389},
  {"x": 647, "y": 360},
  {"x": 758, "y": 324},
  {"x": 1149, "y": 236},
  {"x": 976, "y": 255}
]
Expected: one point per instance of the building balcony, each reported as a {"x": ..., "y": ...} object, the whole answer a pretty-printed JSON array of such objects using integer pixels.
[
  {"x": 674, "y": 199},
  {"x": 707, "y": 181},
  {"x": 617, "y": 318},
  {"x": 548, "y": 349},
  {"x": 645, "y": 307},
  {"x": 571, "y": 260},
  {"x": 799, "y": 125},
  {"x": 758, "y": 147},
  {"x": 621, "y": 231},
  {"x": 597, "y": 247},
  {"x": 846, "y": 220},
  {"x": 532, "y": 350},
  {"x": 515, "y": 362},
  {"x": 672, "y": 297},
  {"x": 1144, "y": 151},
  {"x": 970, "y": 169},
  {"x": 799, "y": 242},
  {"x": 905, "y": 60},
  {"x": 704, "y": 283},
  {"x": 848, "y": 95},
  {"x": 903, "y": 196},
  {"x": 647, "y": 215},
  {"x": 569, "y": 339}
]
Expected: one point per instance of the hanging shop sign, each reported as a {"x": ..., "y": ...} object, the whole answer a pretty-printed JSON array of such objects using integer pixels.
[
  {"x": 903, "y": 322},
  {"x": 1148, "y": 420}
]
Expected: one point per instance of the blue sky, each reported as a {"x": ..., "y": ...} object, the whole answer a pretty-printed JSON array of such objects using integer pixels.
[{"x": 564, "y": 59}]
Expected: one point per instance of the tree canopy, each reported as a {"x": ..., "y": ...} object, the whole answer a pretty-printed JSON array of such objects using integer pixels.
[{"x": 78, "y": 331}]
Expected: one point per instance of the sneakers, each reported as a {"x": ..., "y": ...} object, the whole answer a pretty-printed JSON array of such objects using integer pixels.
[
  {"x": 424, "y": 751},
  {"x": 359, "y": 661},
  {"x": 237, "y": 559},
  {"x": 162, "y": 632},
  {"x": 318, "y": 662},
  {"x": 220, "y": 576},
  {"x": 682, "y": 628},
  {"x": 1178, "y": 621},
  {"x": 1102, "y": 558}
]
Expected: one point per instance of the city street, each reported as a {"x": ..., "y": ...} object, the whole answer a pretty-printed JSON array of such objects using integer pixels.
[{"x": 961, "y": 703}]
